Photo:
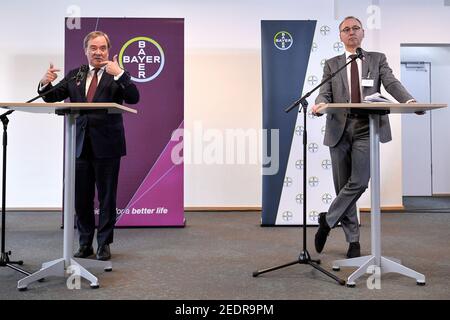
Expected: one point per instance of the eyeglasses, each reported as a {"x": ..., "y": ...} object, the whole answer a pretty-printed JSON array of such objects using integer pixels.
[{"x": 354, "y": 28}]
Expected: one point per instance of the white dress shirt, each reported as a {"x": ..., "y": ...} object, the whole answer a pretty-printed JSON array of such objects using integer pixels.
[{"x": 359, "y": 63}]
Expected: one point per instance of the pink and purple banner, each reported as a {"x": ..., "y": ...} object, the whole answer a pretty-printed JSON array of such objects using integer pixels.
[{"x": 150, "y": 191}]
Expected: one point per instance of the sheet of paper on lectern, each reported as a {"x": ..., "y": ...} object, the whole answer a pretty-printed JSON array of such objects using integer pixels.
[{"x": 377, "y": 97}]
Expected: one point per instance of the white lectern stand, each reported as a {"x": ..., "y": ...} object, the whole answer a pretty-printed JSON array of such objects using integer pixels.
[
  {"x": 386, "y": 265},
  {"x": 70, "y": 111}
]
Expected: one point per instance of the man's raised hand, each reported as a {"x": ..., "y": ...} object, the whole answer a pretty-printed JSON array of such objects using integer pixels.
[
  {"x": 50, "y": 75},
  {"x": 112, "y": 67}
]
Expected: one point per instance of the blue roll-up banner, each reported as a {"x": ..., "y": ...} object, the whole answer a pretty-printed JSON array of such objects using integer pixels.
[{"x": 286, "y": 48}]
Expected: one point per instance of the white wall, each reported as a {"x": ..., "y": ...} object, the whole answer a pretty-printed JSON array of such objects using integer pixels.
[{"x": 223, "y": 81}]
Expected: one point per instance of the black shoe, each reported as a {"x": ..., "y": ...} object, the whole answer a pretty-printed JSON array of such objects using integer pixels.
[
  {"x": 84, "y": 252},
  {"x": 354, "y": 250},
  {"x": 103, "y": 252},
  {"x": 322, "y": 233}
]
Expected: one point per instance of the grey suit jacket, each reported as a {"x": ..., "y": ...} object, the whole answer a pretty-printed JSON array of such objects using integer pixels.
[{"x": 374, "y": 66}]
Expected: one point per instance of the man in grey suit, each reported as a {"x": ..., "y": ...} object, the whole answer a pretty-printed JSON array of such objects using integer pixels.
[{"x": 347, "y": 135}]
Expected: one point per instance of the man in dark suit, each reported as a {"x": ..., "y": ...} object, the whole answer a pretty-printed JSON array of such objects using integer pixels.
[
  {"x": 347, "y": 135},
  {"x": 100, "y": 140}
]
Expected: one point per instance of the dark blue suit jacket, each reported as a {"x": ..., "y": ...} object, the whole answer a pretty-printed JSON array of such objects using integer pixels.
[{"x": 106, "y": 131}]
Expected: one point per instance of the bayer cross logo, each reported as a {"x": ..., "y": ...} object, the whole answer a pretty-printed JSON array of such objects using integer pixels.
[
  {"x": 322, "y": 62},
  {"x": 338, "y": 46},
  {"x": 287, "y": 216},
  {"x": 326, "y": 198},
  {"x": 313, "y": 147},
  {"x": 313, "y": 181},
  {"x": 312, "y": 80},
  {"x": 299, "y": 164},
  {"x": 324, "y": 30},
  {"x": 299, "y": 130},
  {"x": 283, "y": 40},
  {"x": 313, "y": 216},
  {"x": 143, "y": 58},
  {"x": 287, "y": 182},
  {"x": 299, "y": 198},
  {"x": 314, "y": 47},
  {"x": 326, "y": 164}
]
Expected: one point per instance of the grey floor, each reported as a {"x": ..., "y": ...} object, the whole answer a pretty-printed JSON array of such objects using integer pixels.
[{"x": 214, "y": 256}]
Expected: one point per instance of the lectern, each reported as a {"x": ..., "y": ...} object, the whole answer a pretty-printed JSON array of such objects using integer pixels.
[
  {"x": 374, "y": 110},
  {"x": 70, "y": 111}
]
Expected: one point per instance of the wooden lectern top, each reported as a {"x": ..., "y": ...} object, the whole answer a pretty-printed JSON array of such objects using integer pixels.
[
  {"x": 379, "y": 106},
  {"x": 58, "y": 107}
]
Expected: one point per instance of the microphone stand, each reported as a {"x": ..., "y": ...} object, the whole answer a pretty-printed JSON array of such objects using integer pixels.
[
  {"x": 4, "y": 257},
  {"x": 305, "y": 257}
]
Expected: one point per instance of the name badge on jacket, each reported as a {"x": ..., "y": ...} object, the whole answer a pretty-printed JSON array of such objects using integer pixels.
[{"x": 367, "y": 82}]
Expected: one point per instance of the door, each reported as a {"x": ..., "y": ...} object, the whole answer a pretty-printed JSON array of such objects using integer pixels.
[{"x": 416, "y": 132}]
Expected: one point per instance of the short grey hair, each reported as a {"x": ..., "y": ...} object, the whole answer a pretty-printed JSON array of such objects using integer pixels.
[
  {"x": 347, "y": 18},
  {"x": 95, "y": 34}
]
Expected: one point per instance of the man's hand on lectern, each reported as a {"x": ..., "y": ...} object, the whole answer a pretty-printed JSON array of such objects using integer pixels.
[
  {"x": 315, "y": 108},
  {"x": 420, "y": 113},
  {"x": 112, "y": 67},
  {"x": 50, "y": 75}
]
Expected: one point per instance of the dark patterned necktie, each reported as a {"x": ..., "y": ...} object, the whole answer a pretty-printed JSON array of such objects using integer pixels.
[
  {"x": 354, "y": 81},
  {"x": 92, "y": 86}
]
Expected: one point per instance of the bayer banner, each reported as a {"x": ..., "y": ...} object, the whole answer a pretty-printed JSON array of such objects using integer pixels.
[
  {"x": 150, "y": 190},
  {"x": 294, "y": 54}
]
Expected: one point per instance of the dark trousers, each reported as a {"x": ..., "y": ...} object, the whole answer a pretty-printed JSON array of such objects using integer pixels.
[
  {"x": 350, "y": 160},
  {"x": 103, "y": 173}
]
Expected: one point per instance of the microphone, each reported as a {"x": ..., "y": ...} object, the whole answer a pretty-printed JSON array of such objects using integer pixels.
[
  {"x": 359, "y": 53},
  {"x": 84, "y": 69}
]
